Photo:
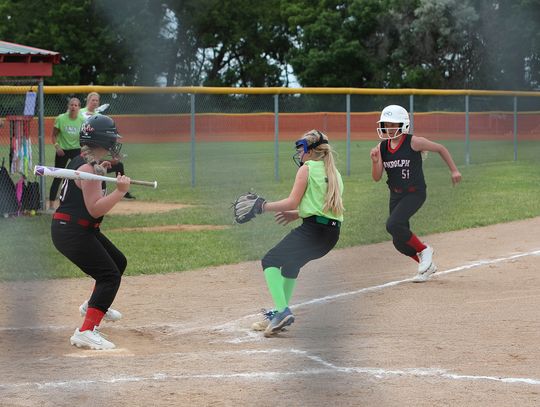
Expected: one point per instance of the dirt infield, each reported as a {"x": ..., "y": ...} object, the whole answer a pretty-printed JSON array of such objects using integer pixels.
[
  {"x": 365, "y": 335},
  {"x": 131, "y": 207}
]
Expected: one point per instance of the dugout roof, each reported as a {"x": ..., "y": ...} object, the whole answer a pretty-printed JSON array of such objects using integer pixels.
[{"x": 22, "y": 60}]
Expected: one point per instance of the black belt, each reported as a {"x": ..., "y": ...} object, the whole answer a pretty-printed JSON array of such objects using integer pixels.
[{"x": 322, "y": 220}]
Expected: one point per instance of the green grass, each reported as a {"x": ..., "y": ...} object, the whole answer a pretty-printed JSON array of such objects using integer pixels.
[{"x": 494, "y": 189}]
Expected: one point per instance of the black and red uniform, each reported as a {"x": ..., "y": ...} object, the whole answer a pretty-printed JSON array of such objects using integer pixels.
[
  {"x": 76, "y": 234},
  {"x": 60, "y": 162},
  {"x": 407, "y": 187}
]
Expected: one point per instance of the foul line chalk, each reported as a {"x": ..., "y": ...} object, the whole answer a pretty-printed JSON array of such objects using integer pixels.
[
  {"x": 230, "y": 326},
  {"x": 394, "y": 283},
  {"x": 326, "y": 368},
  {"x": 182, "y": 328}
]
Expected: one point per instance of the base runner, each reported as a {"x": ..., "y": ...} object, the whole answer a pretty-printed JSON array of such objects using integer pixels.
[{"x": 400, "y": 155}]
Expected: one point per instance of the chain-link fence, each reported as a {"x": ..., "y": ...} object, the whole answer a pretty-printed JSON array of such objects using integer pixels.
[{"x": 212, "y": 137}]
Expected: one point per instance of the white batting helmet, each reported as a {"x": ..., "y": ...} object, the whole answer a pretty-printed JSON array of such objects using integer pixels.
[{"x": 393, "y": 114}]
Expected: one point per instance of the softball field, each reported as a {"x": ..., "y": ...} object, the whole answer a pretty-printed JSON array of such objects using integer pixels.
[{"x": 364, "y": 335}]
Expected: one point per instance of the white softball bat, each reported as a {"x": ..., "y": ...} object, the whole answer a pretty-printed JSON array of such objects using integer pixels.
[{"x": 74, "y": 174}]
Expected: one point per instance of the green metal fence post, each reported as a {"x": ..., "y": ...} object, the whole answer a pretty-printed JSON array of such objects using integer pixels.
[
  {"x": 192, "y": 131},
  {"x": 276, "y": 137},
  {"x": 515, "y": 129},
  {"x": 348, "y": 134},
  {"x": 411, "y": 113},
  {"x": 467, "y": 133},
  {"x": 41, "y": 141}
]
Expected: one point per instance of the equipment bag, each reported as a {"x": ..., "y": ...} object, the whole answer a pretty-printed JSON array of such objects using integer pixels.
[
  {"x": 8, "y": 196},
  {"x": 31, "y": 196}
]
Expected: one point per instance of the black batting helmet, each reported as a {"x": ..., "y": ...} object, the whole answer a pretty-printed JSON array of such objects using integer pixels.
[{"x": 99, "y": 130}]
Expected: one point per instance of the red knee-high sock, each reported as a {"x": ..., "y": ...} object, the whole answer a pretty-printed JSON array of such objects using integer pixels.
[
  {"x": 415, "y": 258},
  {"x": 416, "y": 244},
  {"x": 93, "y": 318}
]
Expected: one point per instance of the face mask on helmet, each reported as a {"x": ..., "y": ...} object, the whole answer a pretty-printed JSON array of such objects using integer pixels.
[
  {"x": 390, "y": 132},
  {"x": 115, "y": 150},
  {"x": 302, "y": 147},
  {"x": 393, "y": 123},
  {"x": 297, "y": 157}
]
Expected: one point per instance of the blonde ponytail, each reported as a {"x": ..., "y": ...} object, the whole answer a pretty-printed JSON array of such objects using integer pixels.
[
  {"x": 88, "y": 155},
  {"x": 333, "y": 202}
]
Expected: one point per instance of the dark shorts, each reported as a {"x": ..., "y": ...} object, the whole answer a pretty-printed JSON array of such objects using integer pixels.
[{"x": 307, "y": 242}]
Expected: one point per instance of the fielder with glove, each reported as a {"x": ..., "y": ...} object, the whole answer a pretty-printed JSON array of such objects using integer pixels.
[{"x": 316, "y": 199}]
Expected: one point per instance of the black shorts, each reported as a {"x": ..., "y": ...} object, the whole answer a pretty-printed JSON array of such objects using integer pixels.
[{"x": 307, "y": 242}]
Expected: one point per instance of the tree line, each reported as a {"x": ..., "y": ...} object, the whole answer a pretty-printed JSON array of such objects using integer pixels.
[{"x": 454, "y": 44}]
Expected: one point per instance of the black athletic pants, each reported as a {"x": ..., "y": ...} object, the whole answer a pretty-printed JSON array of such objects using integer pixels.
[
  {"x": 402, "y": 207},
  {"x": 307, "y": 242},
  {"x": 94, "y": 254},
  {"x": 61, "y": 162}
]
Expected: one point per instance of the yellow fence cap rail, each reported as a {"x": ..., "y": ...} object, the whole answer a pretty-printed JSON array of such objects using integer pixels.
[{"x": 79, "y": 89}]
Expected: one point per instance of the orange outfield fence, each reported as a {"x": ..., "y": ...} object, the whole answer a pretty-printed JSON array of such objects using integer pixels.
[
  {"x": 193, "y": 115},
  {"x": 260, "y": 126}
]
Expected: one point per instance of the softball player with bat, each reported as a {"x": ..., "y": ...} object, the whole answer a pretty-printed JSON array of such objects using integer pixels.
[
  {"x": 400, "y": 155},
  {"x": 316, "y": 199},
  {"x": 75, "y": 228},
  {"x": 65, "y": 137}
]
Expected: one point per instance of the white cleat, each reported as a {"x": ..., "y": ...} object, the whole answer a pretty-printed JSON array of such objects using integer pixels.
[
  {"x": 426, "y": 259},
  {"x": 111, "y": 315},
  {"x": 423, "y": 277},
  {"x": 90, "y": 339}
]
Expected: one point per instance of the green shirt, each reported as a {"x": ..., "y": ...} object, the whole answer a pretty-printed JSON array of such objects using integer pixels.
[
  {"x": 85, "y": 113},
  {"x": 68, "y": 131},
  {"x": 312, "y": 202}
]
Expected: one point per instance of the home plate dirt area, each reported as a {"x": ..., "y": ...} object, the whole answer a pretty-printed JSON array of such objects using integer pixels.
[{"x": 365, "y": 334}]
